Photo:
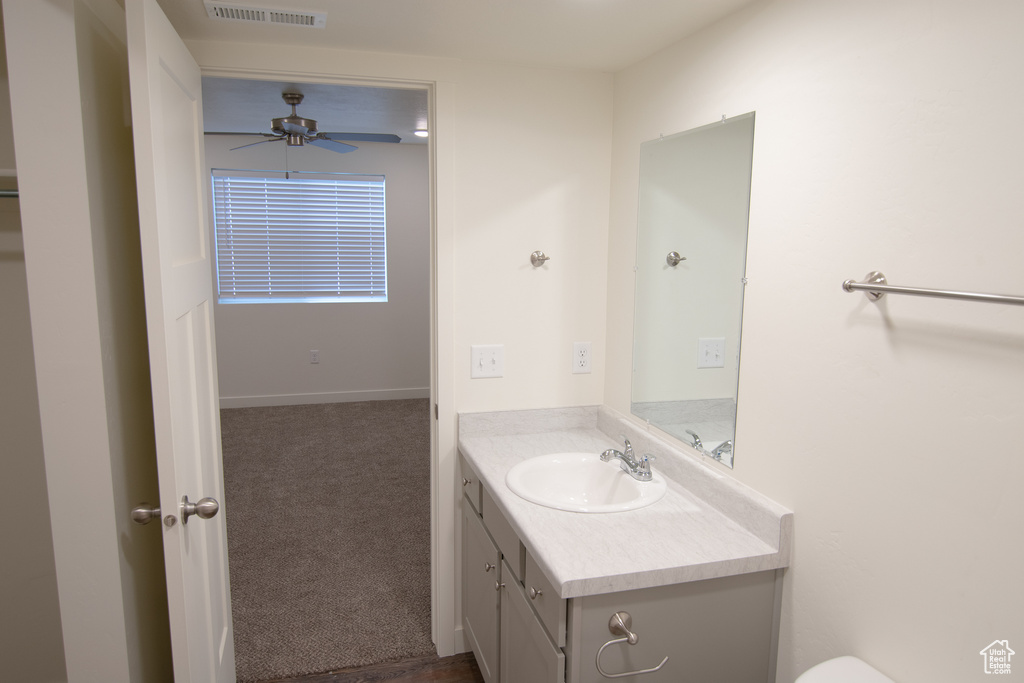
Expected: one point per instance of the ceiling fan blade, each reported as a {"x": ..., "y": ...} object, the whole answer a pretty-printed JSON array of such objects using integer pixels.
[
  {"x": 333, "y": 145},
  {"x": 363, "y": 137},
  {"x": 273, "y": 139}
]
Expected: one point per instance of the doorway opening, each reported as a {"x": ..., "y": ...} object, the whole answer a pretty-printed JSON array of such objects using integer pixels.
[{"x": 326, "y": 411}]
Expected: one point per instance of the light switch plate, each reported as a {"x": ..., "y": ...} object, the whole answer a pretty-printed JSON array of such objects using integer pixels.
[
  {"x": 711, "y": 352},
  {"x": 487, "y": 360}
]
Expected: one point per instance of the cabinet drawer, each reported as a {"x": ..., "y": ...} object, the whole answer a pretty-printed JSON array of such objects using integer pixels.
[
  {"x": 470, "y": 483},
  {"x": 544, "y": 597},
  {"x": 504, "y": 535}
]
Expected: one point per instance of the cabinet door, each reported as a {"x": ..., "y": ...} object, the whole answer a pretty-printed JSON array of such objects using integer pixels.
[
  {"x": 481, "y": 567},
  {"x": 527, "y": 653}
]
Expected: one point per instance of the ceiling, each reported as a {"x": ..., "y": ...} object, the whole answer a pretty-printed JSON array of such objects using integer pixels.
[{"x": 602, "y": 35}]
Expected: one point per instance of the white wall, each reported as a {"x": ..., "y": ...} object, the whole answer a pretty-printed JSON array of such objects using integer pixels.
[
  {"x": 887, "y": 139},
  {"x": 531, "y": 173},
  {"x": 368, "y": 351}
]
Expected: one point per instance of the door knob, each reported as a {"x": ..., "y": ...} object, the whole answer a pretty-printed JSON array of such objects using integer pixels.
[
  {"x": 204, "y": 508},
  {"x": 144, "y": 514}
]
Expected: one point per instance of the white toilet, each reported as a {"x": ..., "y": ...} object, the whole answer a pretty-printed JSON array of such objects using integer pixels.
[{"x": 843, "y": 670}]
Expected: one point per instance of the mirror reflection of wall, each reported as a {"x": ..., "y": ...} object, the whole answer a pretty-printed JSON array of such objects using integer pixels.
[{"x": 694, "y": 200}]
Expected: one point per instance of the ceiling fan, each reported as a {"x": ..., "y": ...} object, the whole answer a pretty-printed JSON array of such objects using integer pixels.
[{"x": 298, "y": 131}]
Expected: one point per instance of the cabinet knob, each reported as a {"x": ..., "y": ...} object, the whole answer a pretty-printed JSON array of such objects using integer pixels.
[
  {"x": 466, "y": 482},
  {"x": 488, "y": 566},
  {"x": 498, "y": 586},
  {"x": 534, "y": 593}
]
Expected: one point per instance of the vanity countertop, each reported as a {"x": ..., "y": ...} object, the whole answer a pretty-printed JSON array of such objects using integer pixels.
[{"x": 706, "y": 526}]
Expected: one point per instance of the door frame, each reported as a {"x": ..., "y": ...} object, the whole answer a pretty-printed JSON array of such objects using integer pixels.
[{"x": 443, "y": 459}]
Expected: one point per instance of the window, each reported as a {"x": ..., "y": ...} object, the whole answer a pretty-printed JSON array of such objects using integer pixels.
[{"x": 299, "y": 237}]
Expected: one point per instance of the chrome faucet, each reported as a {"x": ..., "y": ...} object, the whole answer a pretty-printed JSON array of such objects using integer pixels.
[
  {"x": 639, "y": 469},
  {"x": 696, "y": 440}
]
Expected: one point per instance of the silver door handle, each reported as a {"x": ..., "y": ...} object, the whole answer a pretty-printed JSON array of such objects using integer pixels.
[
  {"x": 204, "y": 508},
  {"x": 144, "y": 514}
]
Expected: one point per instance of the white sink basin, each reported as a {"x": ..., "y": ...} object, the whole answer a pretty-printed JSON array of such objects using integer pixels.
[{"x": 582, "y": 482}]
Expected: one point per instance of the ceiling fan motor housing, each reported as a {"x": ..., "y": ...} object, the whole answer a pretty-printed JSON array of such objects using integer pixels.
[{"x": 294, "y": 127}]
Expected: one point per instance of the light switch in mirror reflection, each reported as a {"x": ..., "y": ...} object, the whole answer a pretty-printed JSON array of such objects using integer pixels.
[{"x": 694, "y": 200}]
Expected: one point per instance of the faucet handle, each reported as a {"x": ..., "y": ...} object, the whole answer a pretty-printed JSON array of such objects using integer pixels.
[
  {"x": 721, "y": 449},
  {"x": 643, "y": 466}
]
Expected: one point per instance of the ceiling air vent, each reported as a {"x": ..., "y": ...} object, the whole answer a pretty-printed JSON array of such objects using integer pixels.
[{"x": 265, "y": 15}]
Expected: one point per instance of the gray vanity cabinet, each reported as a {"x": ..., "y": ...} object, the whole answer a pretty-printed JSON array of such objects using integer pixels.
[{"x": 721, "y": 630}]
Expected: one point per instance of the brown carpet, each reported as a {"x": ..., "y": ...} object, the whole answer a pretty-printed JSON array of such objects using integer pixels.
[{"x": 328, "y": 514}]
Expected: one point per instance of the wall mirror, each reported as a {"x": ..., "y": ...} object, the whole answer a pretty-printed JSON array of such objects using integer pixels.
[{"x": 691, "y": 259}]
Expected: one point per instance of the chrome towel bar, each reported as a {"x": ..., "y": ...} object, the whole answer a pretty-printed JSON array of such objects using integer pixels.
[{"x": 875, "y": 287}]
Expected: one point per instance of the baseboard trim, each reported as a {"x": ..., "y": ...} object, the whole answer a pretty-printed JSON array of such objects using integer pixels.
[
  {"x": 327, "y": 397},
  {"x": 460, "y": 641}
]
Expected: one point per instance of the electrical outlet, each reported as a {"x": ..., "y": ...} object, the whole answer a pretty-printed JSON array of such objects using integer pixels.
[
  {"x": 581, "y": 358},
  {"x": 711, "y": 352},
  {"x": 314, "y": 356},
  {"x": 487, "y": 360}
]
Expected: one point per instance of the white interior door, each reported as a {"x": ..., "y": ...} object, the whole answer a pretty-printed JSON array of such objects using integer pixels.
[{"x": 168, "y": 130}]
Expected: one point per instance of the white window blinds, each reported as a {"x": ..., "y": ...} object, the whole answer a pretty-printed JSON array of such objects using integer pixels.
[{"x": 306, "y": 237}]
